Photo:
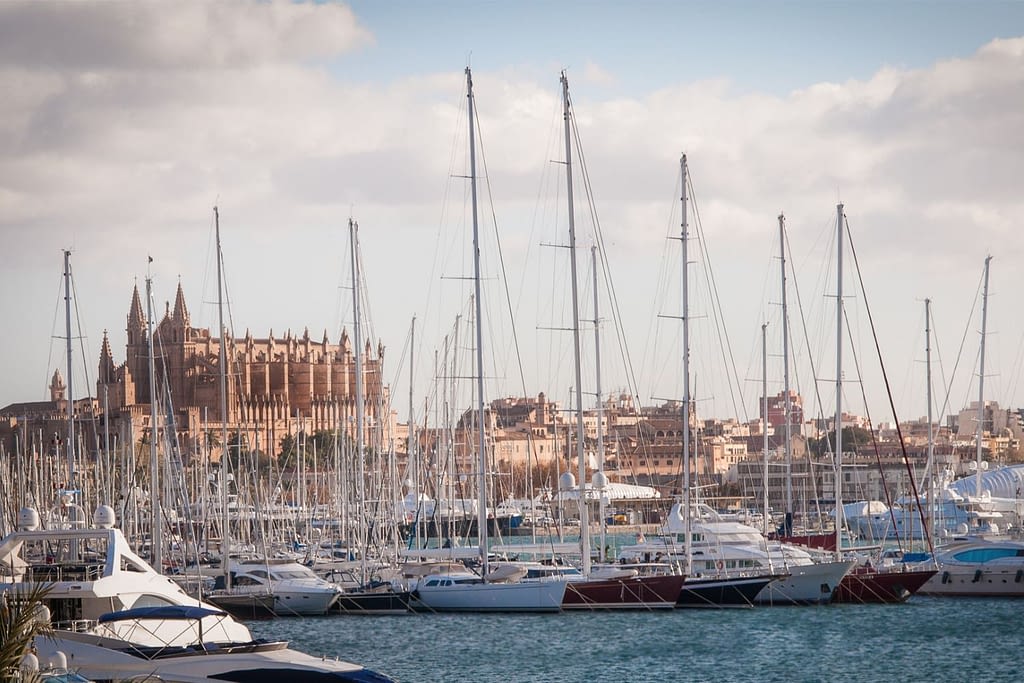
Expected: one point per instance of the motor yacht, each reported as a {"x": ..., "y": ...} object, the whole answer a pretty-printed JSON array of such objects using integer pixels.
[{"x": 114, "y": 618}]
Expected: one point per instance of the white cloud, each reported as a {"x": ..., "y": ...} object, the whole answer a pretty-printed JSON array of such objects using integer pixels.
[
  {"x": 119, "y": 137},
  {"x": 597, "y": 75}
]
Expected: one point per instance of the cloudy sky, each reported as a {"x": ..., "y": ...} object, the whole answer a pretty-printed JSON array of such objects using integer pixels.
[{"x": 123, "y": 123}]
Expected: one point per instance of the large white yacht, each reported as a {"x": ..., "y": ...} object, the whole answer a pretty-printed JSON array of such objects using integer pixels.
[
  {"x": 731, "y": 549},
  {"x": 978, "y": 566},
  {"x": 953, "y": 509},
  {"x": 116, "y": 619}
]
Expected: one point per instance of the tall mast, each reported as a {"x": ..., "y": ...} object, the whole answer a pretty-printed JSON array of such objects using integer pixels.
[
  {"x": 601, "y": 482},
  {"x": 481, "y": 513},
  {"x": 156, "y": 523},
  {"x": 839, "y": 383},
  {"x": 225, "y": 534},
  {"x": 580, "y": 457},
  {"x": 788, "y": 525},
  {"x": 413, "y": 446},
  {"x": 684, "y": 237},
  {"x": 70, "y": 449},
  {"x": 764, "y": 424},
  {"x": 353, "y": 229},
  {"x": 981, "y": 383},
  {"x": 931, "y": 467}
]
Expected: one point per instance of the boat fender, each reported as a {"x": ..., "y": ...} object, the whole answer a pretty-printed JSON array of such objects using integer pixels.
[
  {"x": 945, "y": 577},
  {"x": 977, "y": 576},
  {"x": 1020, "y": 576}
]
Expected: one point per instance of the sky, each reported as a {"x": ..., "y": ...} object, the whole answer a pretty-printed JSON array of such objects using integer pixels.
[{"x": 122, "y": 124}]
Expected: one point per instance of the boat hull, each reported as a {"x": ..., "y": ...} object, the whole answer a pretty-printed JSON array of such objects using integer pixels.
[
  {"x": 871, "y": 586},
  {"x": 544, "y": 596},
  {"x": 972, "y": 581},
  {"x": 728, "y": 592},
  {"x": 373, "y": 603},
  {"x": 812, "y": 584},
  {"x": 245, "y": 605},
  {"x": 102, "y": 660},
  {"x": 303, "y": 603},
  {"x": 638, "y": 592}
]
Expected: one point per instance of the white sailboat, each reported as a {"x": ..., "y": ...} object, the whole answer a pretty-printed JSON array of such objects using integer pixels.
[
  {"x": 715, "y": 591},
  {"x": 458, "y": 590},
  {"x": 604, "y": 587}
]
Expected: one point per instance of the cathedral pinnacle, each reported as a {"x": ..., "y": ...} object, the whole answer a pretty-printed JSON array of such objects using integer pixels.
[
  {"x": 180, "y": 310},
  {"x": 136, "y": 319},
  {"x": 135, "y": 315},
  {"x": 106, "y": 360}
]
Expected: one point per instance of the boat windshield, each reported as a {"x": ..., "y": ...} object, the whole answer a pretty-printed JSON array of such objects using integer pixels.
[
  {"x": 294, "y": 574},
  {"x": 987, "y": 554}
]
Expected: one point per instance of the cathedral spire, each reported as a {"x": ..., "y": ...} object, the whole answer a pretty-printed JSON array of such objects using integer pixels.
[
  {"x": 106, "y": 360},
  {"x": 136, "y": 319},
  {"x": 180, "y": 310}
]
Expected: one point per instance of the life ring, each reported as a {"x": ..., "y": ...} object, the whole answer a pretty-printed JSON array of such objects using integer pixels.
[{"x": 720, "y": 565}]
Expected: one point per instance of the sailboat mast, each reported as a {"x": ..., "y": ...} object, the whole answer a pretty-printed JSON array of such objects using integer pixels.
[
  {"x": 764, "y": 424},
  {"x": 931, "y": 467},
  {"x": 580, "y": 457},
  {"x": 839, "y": 383},
  {"x": 156, "y": 523},
  {"x": 481, "y": 513},
  {"x": 70, "y": 449},
  {"x": 788, "y": 524},
  {"x": 981, "y": 382},
  {"x": 225, "y": 543},
  {"x": 684, "y": 237},
  {"x": 412, "y": 448},
  {"x": 603, "y": 483},
  {"x": 353, "y": 229}
]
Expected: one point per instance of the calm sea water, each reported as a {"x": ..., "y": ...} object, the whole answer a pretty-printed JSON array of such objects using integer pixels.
[{"x": 924, "y": 639}]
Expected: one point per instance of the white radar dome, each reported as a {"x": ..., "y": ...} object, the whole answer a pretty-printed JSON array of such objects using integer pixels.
[
  {"x": 29, "y": 662},
  {"x": 104, "y": 517},
  {"x": 57, "y": 660},
  {"x": 28, "y": 519}
]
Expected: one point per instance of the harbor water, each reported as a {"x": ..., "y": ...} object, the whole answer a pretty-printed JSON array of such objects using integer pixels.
[{"x": 924, "y": 639}]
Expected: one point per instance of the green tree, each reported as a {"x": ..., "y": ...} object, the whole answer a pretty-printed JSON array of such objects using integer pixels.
[
  {"x": 854, "y": 438},
  {"x": 242, "y": 456},
  {"x": 19, "y": 625}
]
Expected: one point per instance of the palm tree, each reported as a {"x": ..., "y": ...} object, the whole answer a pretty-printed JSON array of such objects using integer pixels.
[{"x": 20, "y": 610}]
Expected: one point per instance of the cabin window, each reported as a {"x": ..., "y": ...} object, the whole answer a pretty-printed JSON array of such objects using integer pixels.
[
  {"x": 986, "y": 554},
  {"x": 148, "y": 600}
]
